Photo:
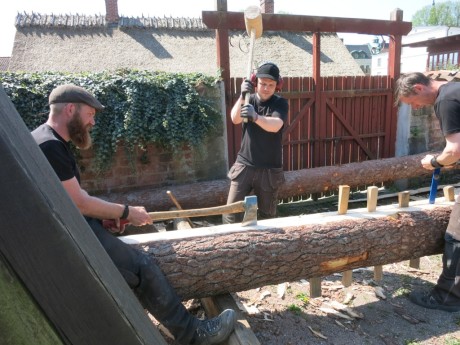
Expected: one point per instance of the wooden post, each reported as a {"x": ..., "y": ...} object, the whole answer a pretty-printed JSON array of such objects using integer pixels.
[
  {"x": 372, "y": 194},
  {"x": 403, "y": 200},
  {"x": 315, "y": 287},
  {"x": 344, "y": 195},
  {"x": 449, "y": 193}
]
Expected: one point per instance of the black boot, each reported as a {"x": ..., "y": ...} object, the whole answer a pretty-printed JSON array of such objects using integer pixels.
[
  {"x": 216, "y": 330},
  {"x": 160, "y": 299}
]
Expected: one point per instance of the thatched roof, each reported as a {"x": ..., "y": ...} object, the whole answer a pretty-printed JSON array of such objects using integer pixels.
[
  {"x": 4, "y": 62},
  {"x": 87, "y": 43}
]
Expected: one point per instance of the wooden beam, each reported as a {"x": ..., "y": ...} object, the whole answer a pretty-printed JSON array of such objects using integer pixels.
[
  {"x": 52, "y": 250},
  {"x": 297, "y": 23}
]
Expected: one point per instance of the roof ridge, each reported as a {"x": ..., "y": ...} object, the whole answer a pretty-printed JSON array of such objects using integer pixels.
[{"x": 84, "y": 20}]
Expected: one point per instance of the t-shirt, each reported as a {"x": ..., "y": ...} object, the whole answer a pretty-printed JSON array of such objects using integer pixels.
[
  {"x": 447, "y": 108},
  {"x": 57, "y": 151},
  {"x": 260, "y": 148}
]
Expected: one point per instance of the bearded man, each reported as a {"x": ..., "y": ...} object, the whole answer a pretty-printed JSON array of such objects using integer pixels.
[{"x": 72, "y": 115}]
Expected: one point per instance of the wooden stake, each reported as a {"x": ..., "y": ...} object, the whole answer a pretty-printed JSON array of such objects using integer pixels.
[
  {"x": 403, "y": 199},
  {"x": 344, "y": 195},
  {"x": 372, "y": 194},
  {"x": 449, "y": 193}
]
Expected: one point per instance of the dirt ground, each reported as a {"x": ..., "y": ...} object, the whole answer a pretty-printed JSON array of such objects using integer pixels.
[{"x": 379, "y": 311}]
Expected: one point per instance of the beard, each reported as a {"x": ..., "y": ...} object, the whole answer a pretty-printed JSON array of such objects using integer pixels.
[{"x": 78, "y": 133}]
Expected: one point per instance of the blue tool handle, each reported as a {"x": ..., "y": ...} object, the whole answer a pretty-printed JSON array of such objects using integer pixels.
[{"x": 434, "y": 185}]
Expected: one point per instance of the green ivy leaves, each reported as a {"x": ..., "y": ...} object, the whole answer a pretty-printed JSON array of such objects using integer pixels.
[{"x": 142, "y": 107}]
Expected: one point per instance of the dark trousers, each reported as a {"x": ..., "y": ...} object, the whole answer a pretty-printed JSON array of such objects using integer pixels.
[
  {"x": 447, "y": 289},
  {"x": 264, "y": 183},
  {"x": 148, "y": 282}
]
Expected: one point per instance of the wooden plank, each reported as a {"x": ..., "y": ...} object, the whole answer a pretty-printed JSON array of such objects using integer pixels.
[
  {"x": 243, "y": 334},
  {"x": 20, "y": 317},
  {"x": 53, "y": 251}
]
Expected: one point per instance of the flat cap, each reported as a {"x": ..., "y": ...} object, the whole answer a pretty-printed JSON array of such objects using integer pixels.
[{"x": 70, "y": 93}]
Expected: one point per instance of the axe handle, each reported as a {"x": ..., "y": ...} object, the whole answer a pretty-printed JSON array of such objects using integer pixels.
[
  {"x": 434, "y": 185},
  {"x": 200, "y": 212}
]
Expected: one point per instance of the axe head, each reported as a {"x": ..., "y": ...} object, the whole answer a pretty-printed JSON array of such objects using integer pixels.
[{"x": 250, "y": 211}]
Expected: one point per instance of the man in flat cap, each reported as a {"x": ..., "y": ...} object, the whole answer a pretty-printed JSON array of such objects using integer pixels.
[
  {"x": 72, "y": 115},
  {"x": 259, "y": 164}
]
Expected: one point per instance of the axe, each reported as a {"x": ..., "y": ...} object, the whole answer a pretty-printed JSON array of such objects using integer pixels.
[
  {"x": 253, "y": 23},
  {"x": 434, "y": 185}
]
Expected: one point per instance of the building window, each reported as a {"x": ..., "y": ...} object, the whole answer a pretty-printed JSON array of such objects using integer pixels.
[{"x": 455, "y": 59}]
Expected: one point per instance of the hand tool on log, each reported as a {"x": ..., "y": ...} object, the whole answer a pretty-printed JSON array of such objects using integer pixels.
[
  {"x": 179, "y": 207},
  {"x": 434, "y": 185},
  {"x": 248, "y": 206},
  {"x": 253, "y": 23}
]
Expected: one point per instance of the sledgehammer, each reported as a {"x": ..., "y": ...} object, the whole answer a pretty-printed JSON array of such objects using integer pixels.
[{"x": 253, "y": 23}]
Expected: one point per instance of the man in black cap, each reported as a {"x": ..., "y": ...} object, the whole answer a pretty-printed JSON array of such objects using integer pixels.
[
  {"x": 71, "y": 117},
  {"x": 259, "y": 165}
]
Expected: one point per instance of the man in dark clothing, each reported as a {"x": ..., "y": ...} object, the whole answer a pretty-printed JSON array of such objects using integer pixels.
[
  {"x": 72, "y": 115},
  {"x": 259, "y": 165},
  {"x": 418, "y": 90}
]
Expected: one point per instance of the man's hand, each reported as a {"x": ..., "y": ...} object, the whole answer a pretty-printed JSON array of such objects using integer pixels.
[
  {"x": 246, "y": 87},
  {"x": 248, "y": 112},
  {"x": 426, "y": 162},
  {"x": 138, "y": 216}
]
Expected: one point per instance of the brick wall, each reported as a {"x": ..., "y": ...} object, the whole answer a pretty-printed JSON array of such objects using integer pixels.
[{"x": 157, "y": 167}]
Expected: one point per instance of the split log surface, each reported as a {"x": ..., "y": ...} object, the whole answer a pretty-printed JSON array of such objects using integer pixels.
[
  {"x": 298, "y": 183},
  {"x": 228, "y": 258}
]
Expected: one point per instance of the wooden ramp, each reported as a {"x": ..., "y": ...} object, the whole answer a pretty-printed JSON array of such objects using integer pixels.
[{"x": 71, "y": 291}]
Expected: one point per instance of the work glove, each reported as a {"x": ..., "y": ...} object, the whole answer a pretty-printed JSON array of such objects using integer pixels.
[
  {"x": 246, "y": 87},
  {"x": 248, "y": 112},
  {"x": 115, "y": 225}
]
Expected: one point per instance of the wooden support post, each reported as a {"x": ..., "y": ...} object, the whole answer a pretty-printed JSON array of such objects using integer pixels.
[
  {"x": 403, "y": 200},
  {"x": 372, "y": 194},
  {"x": 315, "y": 287},
  {"x": 344, "y": 195},
  {"x": 449, "y": 193}
]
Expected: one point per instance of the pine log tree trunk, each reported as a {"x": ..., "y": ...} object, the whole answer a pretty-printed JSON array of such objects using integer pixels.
[
  {"x": 298, "y": 183},
  {"x": 211, "y": 261}
]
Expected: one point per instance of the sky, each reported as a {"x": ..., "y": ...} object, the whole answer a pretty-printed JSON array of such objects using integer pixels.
[{"x": 366, "y": 9}]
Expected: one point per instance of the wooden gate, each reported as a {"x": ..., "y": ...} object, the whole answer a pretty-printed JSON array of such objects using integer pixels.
[{"x": 349, "y": 120}]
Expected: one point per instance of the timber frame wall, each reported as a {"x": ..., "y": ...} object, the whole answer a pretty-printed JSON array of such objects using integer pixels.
[{"x": 333, "y": 120}]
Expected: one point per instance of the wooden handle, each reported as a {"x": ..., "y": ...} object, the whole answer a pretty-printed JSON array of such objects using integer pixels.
[{"x": 200, "y": 212}]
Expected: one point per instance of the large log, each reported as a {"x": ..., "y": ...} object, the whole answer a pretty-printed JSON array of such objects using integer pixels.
[
  {"x": 229, "y": 258},
  {"x": 298, "y": 183}
]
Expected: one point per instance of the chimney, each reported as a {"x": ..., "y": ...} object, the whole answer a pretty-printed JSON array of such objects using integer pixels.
[
  {"x": 267, "y": 6},
  {"x": 111, "y": 9}
]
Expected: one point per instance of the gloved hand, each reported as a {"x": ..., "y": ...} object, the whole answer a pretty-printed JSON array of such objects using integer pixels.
[
  {"x": 115, "y": 225},
  {"x": 248, "y": 112},
  {"x": 246, "y": 87}
]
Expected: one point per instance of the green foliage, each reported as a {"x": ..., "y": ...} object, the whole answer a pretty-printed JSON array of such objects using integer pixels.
[
  {"x": 295, "y": 309},
  {"x": 442, "y": 13},
  {"x": 141, "y": 107}
]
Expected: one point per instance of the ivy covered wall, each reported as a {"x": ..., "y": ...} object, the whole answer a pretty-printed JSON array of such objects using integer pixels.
[{"x": 157, "y": 128}]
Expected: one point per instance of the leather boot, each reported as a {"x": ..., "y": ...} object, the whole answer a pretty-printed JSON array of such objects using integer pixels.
[{"x": 216, "y": 330}]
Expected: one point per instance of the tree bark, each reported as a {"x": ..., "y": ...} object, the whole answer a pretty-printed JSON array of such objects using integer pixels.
[
  {"x": 211, "y": 261},
  {"x": 298, "y": 183}
]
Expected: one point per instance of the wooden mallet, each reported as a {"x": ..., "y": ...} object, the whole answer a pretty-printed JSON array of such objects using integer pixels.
[{"x": 253, "y": 23}]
